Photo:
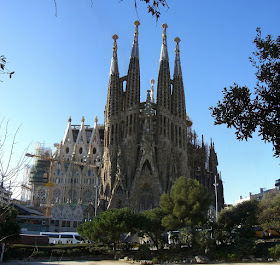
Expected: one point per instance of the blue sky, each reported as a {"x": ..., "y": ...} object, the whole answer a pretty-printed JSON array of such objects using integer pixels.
[{"x": 62, "y": 67}]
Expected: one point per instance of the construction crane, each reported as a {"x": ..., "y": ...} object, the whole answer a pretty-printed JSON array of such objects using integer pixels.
[{"x": 50, "y": 183}]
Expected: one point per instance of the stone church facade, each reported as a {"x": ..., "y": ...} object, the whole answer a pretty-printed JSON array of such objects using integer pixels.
[
  {"x": 137, "y": 155},
  {"x": 148, "y": 145}
]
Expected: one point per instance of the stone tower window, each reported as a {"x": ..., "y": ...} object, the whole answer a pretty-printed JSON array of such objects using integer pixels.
[
  {"x": 180, "y": 139},
  {"x": 94, "y": 150},
  {"x": 67, "y": 150}
]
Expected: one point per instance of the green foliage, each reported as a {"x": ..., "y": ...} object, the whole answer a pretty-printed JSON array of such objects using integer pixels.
[
  {"x": 275, "y": 251},
  {"x": 143, "y": 252},
  {"x": 151, "y": 226},
  {"x": 109, "y": 225},
  {"x": 245, "y": 247},
  {"x": 9, "y": 228},
  {"x": 186, "y": 236},
  {"x": 244, "y": 112},
  {"x": 204, "y": 241},
  {"x": 155, "y": 261},
  {"x": 187, "y": 204},
  {"x": 236, "y": 222},
  {"x": 269, "y": 215}
]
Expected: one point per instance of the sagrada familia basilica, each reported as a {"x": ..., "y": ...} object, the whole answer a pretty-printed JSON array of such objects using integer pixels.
[{"x": 139, "y": 152}]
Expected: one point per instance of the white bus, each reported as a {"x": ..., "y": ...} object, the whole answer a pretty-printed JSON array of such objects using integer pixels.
[{"x": 63, "y": 237}]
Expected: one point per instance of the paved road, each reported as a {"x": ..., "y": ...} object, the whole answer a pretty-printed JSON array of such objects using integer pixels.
[
  {"x": 106, "y": 262},
  {"x": 77, "y": 262}
]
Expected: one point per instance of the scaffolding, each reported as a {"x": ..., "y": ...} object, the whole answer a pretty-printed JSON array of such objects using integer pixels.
[{"x": 40, "y": 170}]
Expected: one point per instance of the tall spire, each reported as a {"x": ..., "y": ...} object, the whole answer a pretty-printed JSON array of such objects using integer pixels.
[
  {"x": 164, "y": 52},
  {"x": 177, "y": 67},
  {"x": 178, "y": 93},
  {"x": 132, "y": 94},
  {"x": 114, "y": 62},
  {"x": 135, "y": 45},
  {"x": 164, "y": 82}
]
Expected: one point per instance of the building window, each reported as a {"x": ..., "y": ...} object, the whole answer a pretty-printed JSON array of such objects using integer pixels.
[
  {"x": 75, "y": 224},
  {"x": 63, "y": 223}
]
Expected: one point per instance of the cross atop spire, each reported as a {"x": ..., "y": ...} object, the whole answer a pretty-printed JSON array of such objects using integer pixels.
[
  {"x": 114, "y": 62},
  {"x": 164, "y": 52},
  {"x": 135, "y": 45}
]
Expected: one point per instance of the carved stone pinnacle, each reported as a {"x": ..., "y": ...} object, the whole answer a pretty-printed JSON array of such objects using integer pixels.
[
  {"x": 115, "y": 37},
  {"x": 136, "y": 23},
  {"x": 177, "y": 40}
]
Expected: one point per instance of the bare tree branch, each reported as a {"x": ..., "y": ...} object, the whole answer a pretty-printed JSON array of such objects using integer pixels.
[
  {"x": 12, "y": 161},
  {"x": 3, "y": 68}
]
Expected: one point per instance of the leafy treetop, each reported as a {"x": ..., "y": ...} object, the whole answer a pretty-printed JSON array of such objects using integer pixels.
[
  {"x": 187, "y": 204},
  {"x": 247, "y": 111}
]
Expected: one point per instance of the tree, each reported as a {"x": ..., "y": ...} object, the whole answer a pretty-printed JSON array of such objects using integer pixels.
[
  {"x": 186, "y": 206},
  {"x": 248, "y": 111},
  {"x": 152, "y": 5},
  {"x": 3, "y": 68},
  {"x": 10, "y": 164},
  {"x": 150, "y": 224},
  {"x": 9, "y": 228},
  {"x": 269, "y": 214},
  {"x": 235, "y": 223},
  {"x": 109, "y": 226}
]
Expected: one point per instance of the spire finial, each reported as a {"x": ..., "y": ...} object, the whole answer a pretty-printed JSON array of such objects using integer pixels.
[
  {"x": 177, "y": 66},
  {"x": 83, "y": 119},
  {"x": 114, "y": 63},
  {"x": 135, "y": 45},
  {"x": 164, "y": 52},
  {"x": 69, "y": 120},
  {"x": 136, "y": 23},
  {"x": 115, "y": 46},
  {"x": 96, "y": 119},
  {"x": 164, "y": 26},
  {"x": 177, "y": 40}
]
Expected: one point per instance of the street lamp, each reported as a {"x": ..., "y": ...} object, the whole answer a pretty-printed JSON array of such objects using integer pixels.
[
  {"x": 96, "y": 195},
  {"x": 216, "y": 195}
]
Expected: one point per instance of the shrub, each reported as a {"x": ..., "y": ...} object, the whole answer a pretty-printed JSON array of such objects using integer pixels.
[
  {"x": 155, "y": 260},
  {"x": 143, "y": 252},
  {"x": 275, "y": 251}
]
